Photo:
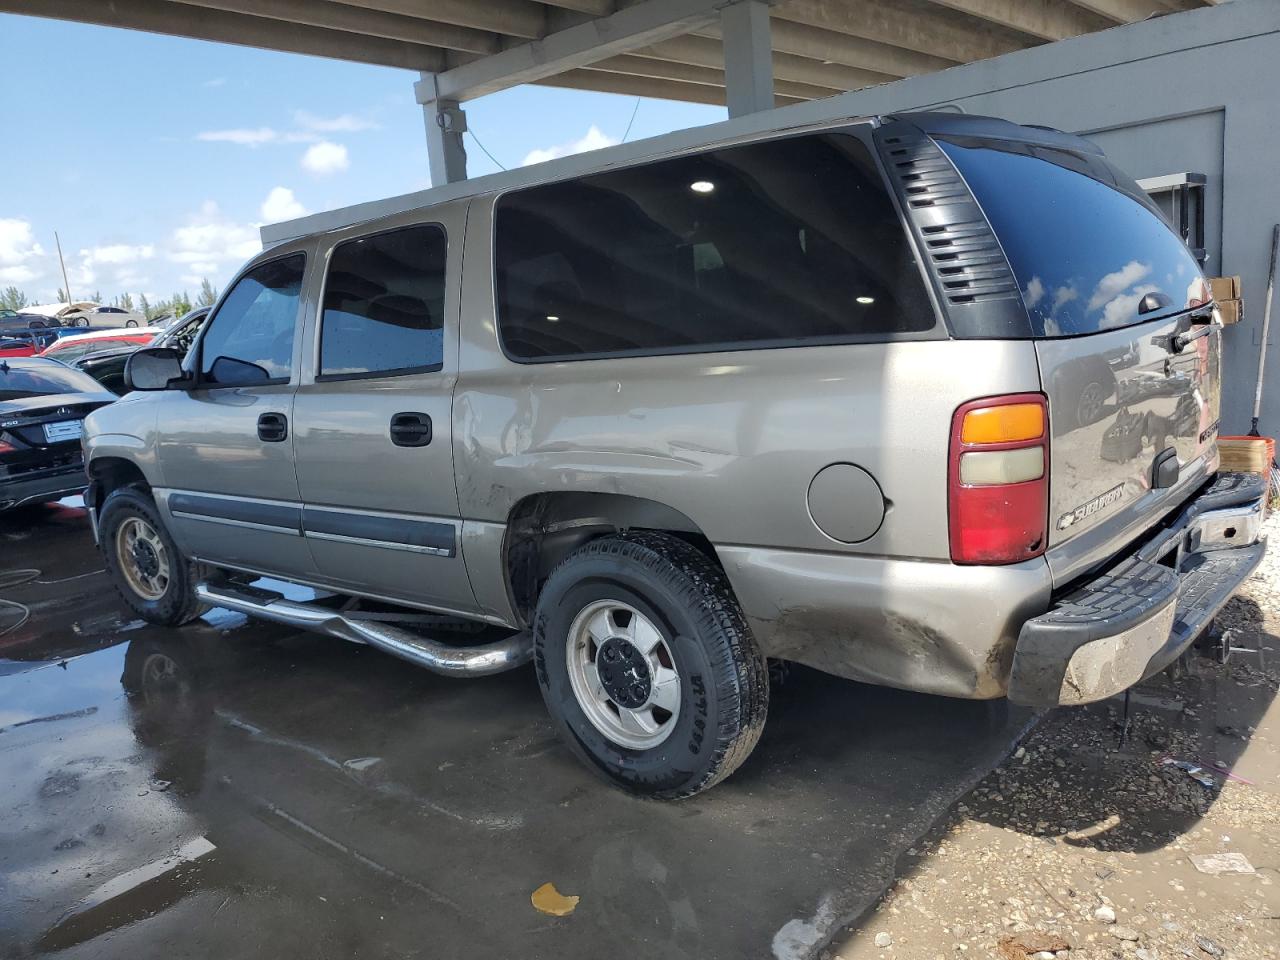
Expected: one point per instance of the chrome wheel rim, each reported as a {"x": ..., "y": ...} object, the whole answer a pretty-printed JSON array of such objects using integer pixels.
[
  {"x": 143, "y": 558},
  {"x": 623, "y": 674}
]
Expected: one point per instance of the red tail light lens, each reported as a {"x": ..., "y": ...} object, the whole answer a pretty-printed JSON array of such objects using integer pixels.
[{"x": 998, "y": 495}]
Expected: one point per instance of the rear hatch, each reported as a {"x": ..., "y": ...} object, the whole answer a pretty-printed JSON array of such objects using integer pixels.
[{"x": 1128, "y": 359}]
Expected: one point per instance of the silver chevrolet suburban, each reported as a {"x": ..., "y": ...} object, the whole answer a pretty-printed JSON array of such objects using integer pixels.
[{"x": 925, "y": 400}]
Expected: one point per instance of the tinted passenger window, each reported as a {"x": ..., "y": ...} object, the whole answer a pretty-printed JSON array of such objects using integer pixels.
[
  {"x": 250, "y": 338},
  {"x": 788, "y": 242},
  {"x": 384, "y": 305}
]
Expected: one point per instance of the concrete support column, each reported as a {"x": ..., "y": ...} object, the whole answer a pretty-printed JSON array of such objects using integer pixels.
[
  {"x": 748, "y": 57},
  {"x": 445, "y": 122}
]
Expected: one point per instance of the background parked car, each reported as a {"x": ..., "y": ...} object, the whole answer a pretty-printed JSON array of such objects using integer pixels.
[
  {"x": 71, "y": 348},
  {"x": 99, "y": 316},
  {"x": 107, "y": 366},
  {"x": 58, "y": 311},
  {"x": 10, "y": 347},
  {"x": 42, "y": 406},
  {"x": 11, "y": 320}
]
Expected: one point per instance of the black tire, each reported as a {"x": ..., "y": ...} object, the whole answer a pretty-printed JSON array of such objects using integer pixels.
[
  {"x": 131, "y": 323},
  {"x": 724, "y": 680},
  {"x": 177, "y": 604}
]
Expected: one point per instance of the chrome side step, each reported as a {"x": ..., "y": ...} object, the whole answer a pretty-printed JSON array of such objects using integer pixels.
[{"x": 479, "y": 661}]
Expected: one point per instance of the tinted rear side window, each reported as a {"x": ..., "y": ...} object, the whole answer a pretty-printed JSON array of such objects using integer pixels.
[
  {"x": 384, "y": 305},
  {"x": 788, "y": 242},
  {"x": 1086, "y": 252}
]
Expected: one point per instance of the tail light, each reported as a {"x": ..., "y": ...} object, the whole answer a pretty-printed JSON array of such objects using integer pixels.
[{"x": 998, "y": 479}]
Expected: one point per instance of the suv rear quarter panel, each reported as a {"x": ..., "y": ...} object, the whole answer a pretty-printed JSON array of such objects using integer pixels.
[{"x": 731, "y": 440}]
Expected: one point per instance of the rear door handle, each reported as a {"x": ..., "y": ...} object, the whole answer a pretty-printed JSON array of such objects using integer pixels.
[
  {"x": 411, "y": 429},
  {"x": 273, "y": 427}
]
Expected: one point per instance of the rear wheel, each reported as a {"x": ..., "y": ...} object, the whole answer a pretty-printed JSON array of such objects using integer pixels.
[
  {"x": 647, "y": 665},
  {"x": 155, "y": 580}
]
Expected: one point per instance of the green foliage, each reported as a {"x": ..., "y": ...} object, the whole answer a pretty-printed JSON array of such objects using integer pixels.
[
  {"x": 62, "y": 296},
  {"x": 144, "y": 305},
  {"x": 13, "y": 298},
  {"x": 208, "y": 294},
  {"x": 126, "y": 302}
]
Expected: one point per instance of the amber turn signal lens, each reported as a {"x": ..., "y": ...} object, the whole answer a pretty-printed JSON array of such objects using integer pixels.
[{"x": 1008, "y": 423}]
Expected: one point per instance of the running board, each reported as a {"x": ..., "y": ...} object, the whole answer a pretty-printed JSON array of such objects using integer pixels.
[{"x": 479, "y": 661}]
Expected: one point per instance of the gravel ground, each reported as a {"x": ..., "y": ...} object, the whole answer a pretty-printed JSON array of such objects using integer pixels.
[{"x": 1079, "y": 846}]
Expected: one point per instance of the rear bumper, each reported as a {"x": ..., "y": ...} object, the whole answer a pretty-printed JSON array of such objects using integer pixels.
[
  {"x": 48, "y": 485},
  {"x": 1136, "y": 618}
]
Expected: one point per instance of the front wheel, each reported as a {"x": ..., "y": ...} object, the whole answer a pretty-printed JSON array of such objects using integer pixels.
[
  {"x": 155, "y": 580},
  {"x": 648, "y": 666}
]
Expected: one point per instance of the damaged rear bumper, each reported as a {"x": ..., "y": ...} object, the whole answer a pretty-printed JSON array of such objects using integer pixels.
[{"x": 1136, "y": 618}]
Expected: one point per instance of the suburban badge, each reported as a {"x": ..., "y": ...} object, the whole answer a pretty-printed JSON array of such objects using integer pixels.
[{"x": 1090, "y": 507}]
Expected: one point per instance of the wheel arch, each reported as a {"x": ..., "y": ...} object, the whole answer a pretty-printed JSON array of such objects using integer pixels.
[
  {"x": 544, "y": 528},
  {"x": 109, "y": 473}
]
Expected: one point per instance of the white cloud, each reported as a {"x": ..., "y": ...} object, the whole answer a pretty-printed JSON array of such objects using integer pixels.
[
  {"x": 280, "y": 204},
  {"x": 344, "y": 123},
  {"x": 593, "y": 140},
  {"x": 1116, "y": 283},
  {"x": 17, "y": 243},
  {"x": 214, "y": 82},
  {"x": 210, "y": 239},
  {"x": 243, "y": 136},
  {"x": 19, "y": 274},
  {"x": 119, "y": 253},
  {"x": 325, "y": 157}
]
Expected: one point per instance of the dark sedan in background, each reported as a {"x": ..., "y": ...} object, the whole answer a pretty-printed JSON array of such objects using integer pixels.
[{"x": 42, "y": 405}]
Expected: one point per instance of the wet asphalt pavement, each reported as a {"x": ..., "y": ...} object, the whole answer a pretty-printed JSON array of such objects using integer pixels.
[{"x": 236, "y": 789}]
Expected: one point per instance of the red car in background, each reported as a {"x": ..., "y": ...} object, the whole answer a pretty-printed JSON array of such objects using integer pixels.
[
  {"x": 72, "y": 348},
  {"x": 16, "y": 348}
]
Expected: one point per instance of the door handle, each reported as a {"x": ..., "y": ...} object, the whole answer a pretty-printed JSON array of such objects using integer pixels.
[
  {"x": 273, "y": 427},
  {"x": 411, "y": 429}
]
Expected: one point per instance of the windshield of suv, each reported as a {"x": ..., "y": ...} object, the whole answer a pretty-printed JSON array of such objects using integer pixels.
[
  {"x": 1087, "y": 255},
  {"x": 19, "y": 383}
]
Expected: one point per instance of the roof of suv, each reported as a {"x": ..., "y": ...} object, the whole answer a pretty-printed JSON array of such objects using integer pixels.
[{"x": 673, "y": 144}]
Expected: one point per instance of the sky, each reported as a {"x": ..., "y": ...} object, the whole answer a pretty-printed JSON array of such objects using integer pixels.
[{"x": 156, "y": 158}]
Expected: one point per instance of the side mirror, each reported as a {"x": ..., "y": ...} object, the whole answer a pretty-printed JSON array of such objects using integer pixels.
[{"x": 153, "y": 368}]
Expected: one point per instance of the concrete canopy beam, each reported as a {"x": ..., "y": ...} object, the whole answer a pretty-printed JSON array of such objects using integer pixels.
[
  {"x": 705, "y": 52},
  {"x": 1046, "y": 19},
  {"x": 1128, "y": 11},
  {"x": 816, "y": 43},
  {"x": 590, "y": 79},
  {"x": 513, "y": 18},
  {"x": 640, "y": 66},
  {"x": 375, "y": 23},
  {"x": 202, "y": 23},
  {"x": 891, "y": 23},
  {"x": 577, "y": 46}
]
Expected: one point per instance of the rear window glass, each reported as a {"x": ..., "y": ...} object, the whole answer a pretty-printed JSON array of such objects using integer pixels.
[
  {"x": 1087, "y": 255},
  {"x": 782, "y": 243},
  {"x": 21, "y": 382}
]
